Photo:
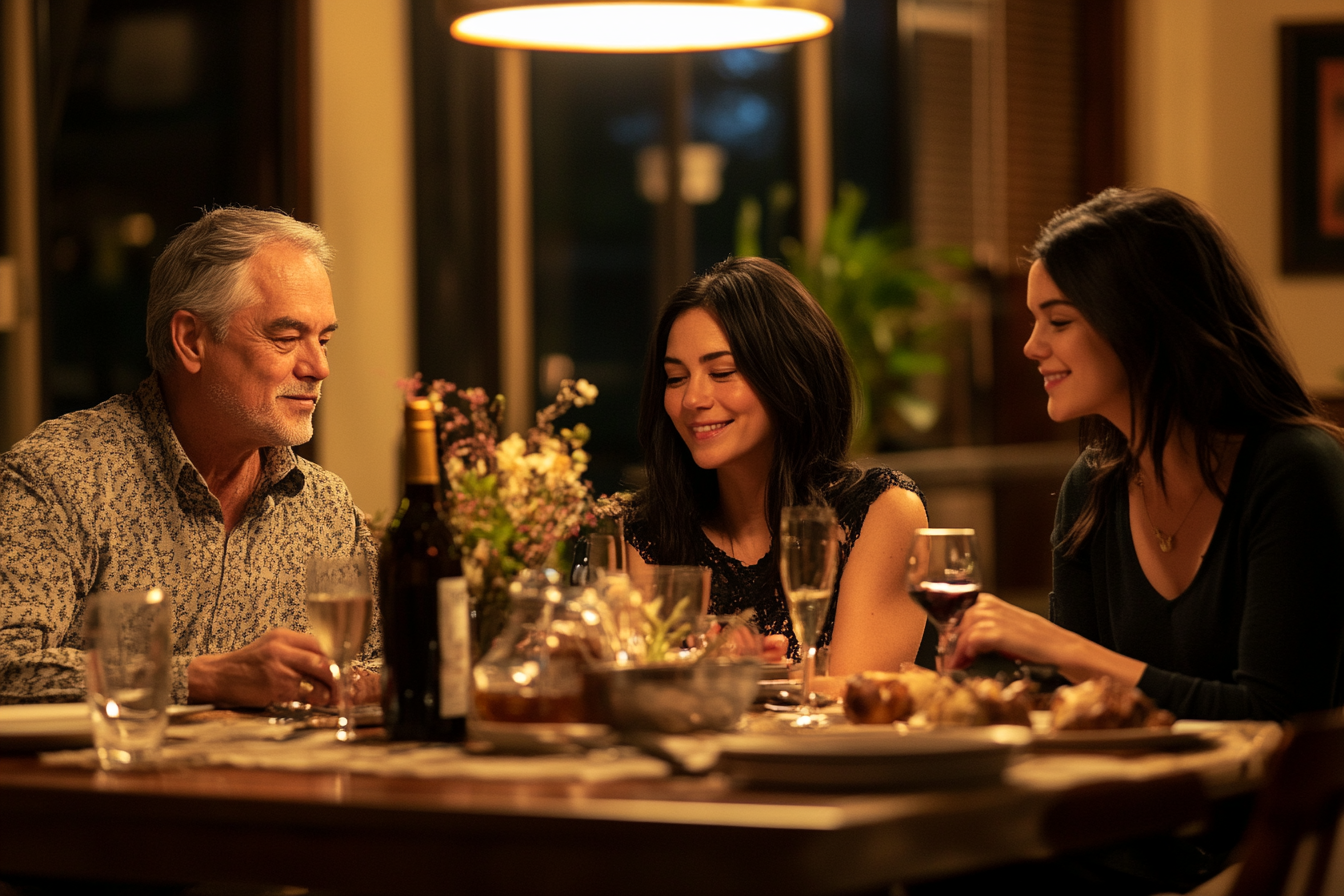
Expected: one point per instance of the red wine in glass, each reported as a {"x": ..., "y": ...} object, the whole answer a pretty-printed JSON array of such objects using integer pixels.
[
  {"x": 943, "y": 577},
  {"x": 945, "y": 601}
]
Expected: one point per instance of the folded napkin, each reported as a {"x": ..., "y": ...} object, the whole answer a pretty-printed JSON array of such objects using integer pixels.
[{"x": 254, "y": 743}]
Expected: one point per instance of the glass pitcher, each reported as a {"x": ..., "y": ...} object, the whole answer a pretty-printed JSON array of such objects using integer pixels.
[{"x": 534, "y": 671}]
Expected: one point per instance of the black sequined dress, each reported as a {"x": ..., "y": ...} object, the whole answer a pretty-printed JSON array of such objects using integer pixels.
[{"x": 736, "y": 586}]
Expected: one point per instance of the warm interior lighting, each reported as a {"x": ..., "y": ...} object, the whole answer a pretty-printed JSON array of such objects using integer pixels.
[{"x": 653, "y": 27}]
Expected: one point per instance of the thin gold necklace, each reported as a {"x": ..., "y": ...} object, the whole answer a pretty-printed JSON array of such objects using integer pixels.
[{"x": 1165, "y": 543}]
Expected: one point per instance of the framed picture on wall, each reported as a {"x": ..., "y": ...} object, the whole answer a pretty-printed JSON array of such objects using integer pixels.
[{"x": 1312, "y": 148}]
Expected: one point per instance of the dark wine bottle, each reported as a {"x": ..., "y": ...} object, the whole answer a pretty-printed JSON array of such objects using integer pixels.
[{"x": 425, "y": 686}]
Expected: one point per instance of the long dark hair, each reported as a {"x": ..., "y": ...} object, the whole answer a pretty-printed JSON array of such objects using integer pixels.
[
  {"x": 788, "y": 350},
  {"x": 1161, "y": 283}
]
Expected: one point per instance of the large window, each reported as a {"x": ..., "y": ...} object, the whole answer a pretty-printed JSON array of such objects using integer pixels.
[
  {"x": 598, "y": 129},
  {"x": 148, "y": 111}
]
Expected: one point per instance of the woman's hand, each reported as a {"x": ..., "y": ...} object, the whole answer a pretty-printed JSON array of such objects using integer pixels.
[
  {"x": 992, "y": 624},
  {"x": 774, "y": 649}
]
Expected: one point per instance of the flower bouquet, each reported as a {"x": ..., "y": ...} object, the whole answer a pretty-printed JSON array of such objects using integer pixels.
[{"x": 513, "y": 502}]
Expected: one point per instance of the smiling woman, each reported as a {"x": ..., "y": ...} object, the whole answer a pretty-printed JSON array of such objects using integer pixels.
[
  {"x": 714, "y": 408},
  {"x": 1082, "y": 373},
  {"x": 1192, "y": 537},
  {"x": 748, "y": 407}
]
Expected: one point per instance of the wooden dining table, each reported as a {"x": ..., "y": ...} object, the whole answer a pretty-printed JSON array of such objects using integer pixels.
[{"x": 370, "y": 833}]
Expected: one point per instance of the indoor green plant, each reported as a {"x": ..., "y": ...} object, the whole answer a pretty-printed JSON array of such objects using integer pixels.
[{"x": 892, "y": 303}]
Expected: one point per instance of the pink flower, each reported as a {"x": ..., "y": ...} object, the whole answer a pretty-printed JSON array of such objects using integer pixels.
[{"x": 411, "y": 386}]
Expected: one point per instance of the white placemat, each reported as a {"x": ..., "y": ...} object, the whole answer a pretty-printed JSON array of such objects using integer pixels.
[{"x": 255, "y": 744}]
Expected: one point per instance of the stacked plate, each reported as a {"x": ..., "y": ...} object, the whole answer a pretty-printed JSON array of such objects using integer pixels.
[
  {"x": 876, "y": 759},
  {"x": 27, "y": 727}
]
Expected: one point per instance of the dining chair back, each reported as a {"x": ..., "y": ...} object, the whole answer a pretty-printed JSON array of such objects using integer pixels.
[{"x": 1300, "y": 804}]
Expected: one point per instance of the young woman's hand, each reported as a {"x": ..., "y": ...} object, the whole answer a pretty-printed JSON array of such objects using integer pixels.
[
  {"x": 775, "y": 649},
  {"x": 992, "y": 624}
]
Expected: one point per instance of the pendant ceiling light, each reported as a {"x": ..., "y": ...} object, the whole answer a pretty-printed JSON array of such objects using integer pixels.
[{"x": 650, "y": 26}]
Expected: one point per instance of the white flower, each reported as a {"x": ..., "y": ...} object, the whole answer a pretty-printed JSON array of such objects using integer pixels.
[
  {"x": 587, "y": 393},
  {"x": 511, "y": 452}
]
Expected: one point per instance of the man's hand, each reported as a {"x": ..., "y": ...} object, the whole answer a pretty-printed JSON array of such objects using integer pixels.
[
  {"x": 278, "y": 667},
  {"x": 366, "y": 686}
]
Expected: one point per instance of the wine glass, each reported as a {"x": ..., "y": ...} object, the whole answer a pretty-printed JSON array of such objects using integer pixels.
[
  {"x": 340, "y": 610},
  {"x": 603, "y": 555},
  {"x": 596, "y": 556},
  {"x": 943, "y": 577},
  {"x": 600, "y": 554},
  {"x": 809, "y": 541}
]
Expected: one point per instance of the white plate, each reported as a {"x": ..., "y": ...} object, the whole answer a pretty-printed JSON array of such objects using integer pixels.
[
  {"x": 25, "y": 727},
  {"x": 188, "y": 709},
  {"x": 1120, "y": 739},
  {"x": 870, "y": 759}
]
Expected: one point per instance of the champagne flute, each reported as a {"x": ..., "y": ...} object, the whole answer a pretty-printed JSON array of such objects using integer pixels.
[
  {"x": 943, "y": 577},
  {"x": 340, "y": 610},
  {"x": 809, "y": 542}
]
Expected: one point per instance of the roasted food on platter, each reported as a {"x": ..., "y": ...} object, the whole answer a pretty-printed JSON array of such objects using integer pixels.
[
  {"x": 880, "y": 698},
  {"x": 1101, "y": 703},
  {"x": 877, "y": 698},
  {"x": 981, "y": 701}
]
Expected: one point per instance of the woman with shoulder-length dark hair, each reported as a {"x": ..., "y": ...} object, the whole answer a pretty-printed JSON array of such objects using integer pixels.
[
  {"x": 748, "y": 407},
  {"x": 1196, "y": 537}
]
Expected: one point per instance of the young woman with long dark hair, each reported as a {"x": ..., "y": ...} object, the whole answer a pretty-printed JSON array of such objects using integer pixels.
[
  {"x": 1197, "y": 538},
  {"x": 748, "y": 407}
]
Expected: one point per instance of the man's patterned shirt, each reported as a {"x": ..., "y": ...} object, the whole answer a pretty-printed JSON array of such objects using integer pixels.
[{"x": 106, "y": 500}]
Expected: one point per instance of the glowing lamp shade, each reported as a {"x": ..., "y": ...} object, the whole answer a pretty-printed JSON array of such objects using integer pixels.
[{"x": 661, "y": 26}]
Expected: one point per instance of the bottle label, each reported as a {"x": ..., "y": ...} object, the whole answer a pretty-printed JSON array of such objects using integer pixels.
[{"x": 454, "y": 648}]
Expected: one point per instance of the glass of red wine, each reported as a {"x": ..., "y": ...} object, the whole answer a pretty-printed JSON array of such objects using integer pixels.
[{"x": 943, "y": 577}]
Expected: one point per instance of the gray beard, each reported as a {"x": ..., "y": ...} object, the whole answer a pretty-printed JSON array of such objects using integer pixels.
[{"x": 273, "y": 429}]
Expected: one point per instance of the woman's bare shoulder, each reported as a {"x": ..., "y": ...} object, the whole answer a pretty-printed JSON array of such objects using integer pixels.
[{"x": 897, "y": 511}]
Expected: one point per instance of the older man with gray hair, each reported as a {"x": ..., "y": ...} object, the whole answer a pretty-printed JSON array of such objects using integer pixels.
[{"x": 190, "y": 483}]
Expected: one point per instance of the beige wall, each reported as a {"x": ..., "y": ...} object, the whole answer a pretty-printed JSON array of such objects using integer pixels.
[
  {"x": 1204, "y": 121},
  {"x": 362, "y": 200}
]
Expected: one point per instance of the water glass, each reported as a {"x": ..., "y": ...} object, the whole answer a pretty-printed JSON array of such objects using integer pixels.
[
  {"x": 127, "y": 670},
  {"x": 663, "y": 605},
  {"x": 673, "y": 584}
]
